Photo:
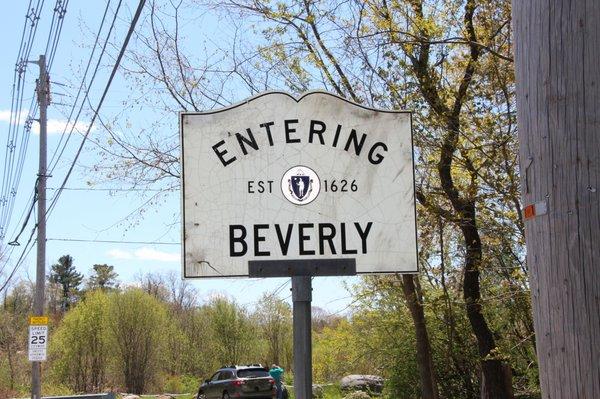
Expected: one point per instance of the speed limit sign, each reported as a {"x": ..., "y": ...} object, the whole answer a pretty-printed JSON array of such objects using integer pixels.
[{"x": 38, "y": 339}]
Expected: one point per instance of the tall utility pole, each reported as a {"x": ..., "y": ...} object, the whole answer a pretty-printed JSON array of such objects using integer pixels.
[
  {"x": 557, "y": 49},
  {"x": 43, "y": 94}
]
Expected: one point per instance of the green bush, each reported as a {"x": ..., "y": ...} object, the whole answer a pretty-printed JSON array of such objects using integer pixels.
[
  {"x": 181, "y": 384},
  {"x": 358, "y": 395}
]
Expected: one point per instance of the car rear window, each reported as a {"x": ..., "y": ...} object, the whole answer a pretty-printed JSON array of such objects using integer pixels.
[{"x": 252, "y": 373}]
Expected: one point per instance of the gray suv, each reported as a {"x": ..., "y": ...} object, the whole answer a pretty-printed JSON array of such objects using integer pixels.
[{"x": 249, "y": 381}]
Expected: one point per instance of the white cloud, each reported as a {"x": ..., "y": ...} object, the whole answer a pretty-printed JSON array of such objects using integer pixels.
[
  {"x": 54, "y": 126},
  {"x": 5, "y": 116},
  {"x": 145, "y": 254},
  {"x": 119, "y": 254},
  {"x": 152, "y": 254}
]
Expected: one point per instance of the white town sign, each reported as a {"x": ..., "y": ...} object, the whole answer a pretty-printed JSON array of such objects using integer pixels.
[{"x": 278, "y": 178}]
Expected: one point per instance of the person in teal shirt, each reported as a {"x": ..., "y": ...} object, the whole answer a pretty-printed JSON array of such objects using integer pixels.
[{"x": 276, "y": 373}]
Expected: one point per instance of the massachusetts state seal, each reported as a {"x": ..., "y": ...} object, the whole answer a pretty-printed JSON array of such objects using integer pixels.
[{"x": 300, "y": 185}]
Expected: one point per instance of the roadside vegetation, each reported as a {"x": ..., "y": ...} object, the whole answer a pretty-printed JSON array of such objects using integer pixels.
[
  {"x": 460, "y": 329},
  {"x": 155, "y": 337}
]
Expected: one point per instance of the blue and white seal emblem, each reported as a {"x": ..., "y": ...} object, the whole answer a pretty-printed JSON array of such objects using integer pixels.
[{"x": 300, "y": 185}]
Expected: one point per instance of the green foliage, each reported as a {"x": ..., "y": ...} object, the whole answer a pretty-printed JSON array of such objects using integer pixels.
[
  {"x": 136, "y": 327},
  {"x": 64, "y": 274},
  {"x": 338, "y": 351},
  {"x": 274, "y": 319},
  {"x": 181, "y": 384},
  {"x": 79, "y": 346},
  {"x": 358, "y": 395},
  {"x": 104, "y": 277},
  {"x": 233, "y": 335},
  {"x": 13, "y": 340}
]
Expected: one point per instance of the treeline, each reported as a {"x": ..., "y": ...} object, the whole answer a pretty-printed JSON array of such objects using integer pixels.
[
  {"x": 151, "y": 336},
  {"x": 155, "y": 336}
]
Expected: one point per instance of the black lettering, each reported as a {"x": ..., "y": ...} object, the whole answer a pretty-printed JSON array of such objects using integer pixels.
[
  {"x": 270, "y": 185},
  {"x": 346, "y": 251},
  {"x": 289, "y": 130},
  {"x": 241, "y": 240},
  {"x": 363, "y": 234},
  {"x": 250, "y": 187},
  {"x": 337, "y": 135},
  {"x": 323, "y": 237},
  {"x": 267, "y": 127},
  {"x": 258, "y": 239},
  {"x": 318, "y": 132},
  {"x": 261, "y": 186},
  {"x": 251, "y": 141},
  {"x": 302, "y": 237},
  {"x": 284, "y": 243},
  {"x": 378, "y": 157},
  {"x": 352, "y": 138},
  {"x": 221, "y": 153}
]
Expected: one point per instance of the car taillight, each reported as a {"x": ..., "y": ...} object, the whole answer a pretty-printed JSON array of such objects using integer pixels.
[
  {"x": 272, "y": 381},
  {"x": 238, "y": 382}
]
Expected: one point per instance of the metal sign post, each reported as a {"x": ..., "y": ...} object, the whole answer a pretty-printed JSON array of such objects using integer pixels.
[
  {"x": 301, "y": 298},
  {"x": 278, "y": 186},
  {"x": 302, "y": 272}
]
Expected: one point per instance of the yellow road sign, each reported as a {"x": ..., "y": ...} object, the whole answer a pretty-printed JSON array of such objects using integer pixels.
[{"x": 38, "y": 320}]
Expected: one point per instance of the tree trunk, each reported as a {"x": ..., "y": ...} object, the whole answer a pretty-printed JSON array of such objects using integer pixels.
[
  {"x": 558, "y": 92},
  {"x": 428, "y": 381},
  {"x": 496, "y": 379}
]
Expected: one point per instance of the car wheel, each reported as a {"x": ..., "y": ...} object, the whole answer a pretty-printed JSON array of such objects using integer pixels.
[
  {"x": 226, "y": 395},
  {"x": 201, "y": 395}
]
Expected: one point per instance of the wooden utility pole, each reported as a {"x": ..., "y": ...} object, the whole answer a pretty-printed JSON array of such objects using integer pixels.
[
  {"x": 557, "y": 55},
  {"x": 38, "y": 302}
]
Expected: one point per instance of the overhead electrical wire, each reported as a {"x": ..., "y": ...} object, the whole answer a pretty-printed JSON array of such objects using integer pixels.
[
  {"x": 29, "y": 244},
  {"x": 11, "y": 175},
  {"x": 14, "y": 168},
  {"x": 54, "y": 35},
  {"x": 115, "y": 241},
  {"x": 60, "y": 148},
  {"x": 99, "y": 106}
]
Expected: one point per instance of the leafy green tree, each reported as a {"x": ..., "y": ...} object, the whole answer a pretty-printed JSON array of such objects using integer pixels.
[
  {"x": 65, "y": 274},
  {"x": 448, "y": 61},
  {"x": 16, "y": 307},
  {"x": 79, "y": 347},
  {"x": 274, "y": 318},
  {"x": 233, "y": 333},
  {"x": 104, "y": 277},
  {"x": 137, "y": 325}
]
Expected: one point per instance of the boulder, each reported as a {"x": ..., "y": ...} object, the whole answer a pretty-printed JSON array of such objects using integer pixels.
[
  {"x": 365, "y": 383},
  {"x": 317, "y": 391}
]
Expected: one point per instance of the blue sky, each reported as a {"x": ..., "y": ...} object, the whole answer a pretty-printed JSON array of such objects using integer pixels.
[{"x": 93, "y": 213}]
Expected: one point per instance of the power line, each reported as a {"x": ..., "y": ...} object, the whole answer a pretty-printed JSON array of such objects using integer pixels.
[
  {"x": 11, "y": 176},
  {"x": 115, "y": 241},
  {"x": 82, "y": 85},
  {"x": 62, "y": 9},
  {"x": 13, "y": 168},
  {"x": 110, "y": 189},
  {"x": 112, "y": 75},
  {"x": 55, "y": 199}
]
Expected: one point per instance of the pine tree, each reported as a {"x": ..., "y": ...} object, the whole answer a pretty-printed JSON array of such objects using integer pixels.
[
  {"x": 65, "y": 274},
  {"x": 104, "y": 277}
]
